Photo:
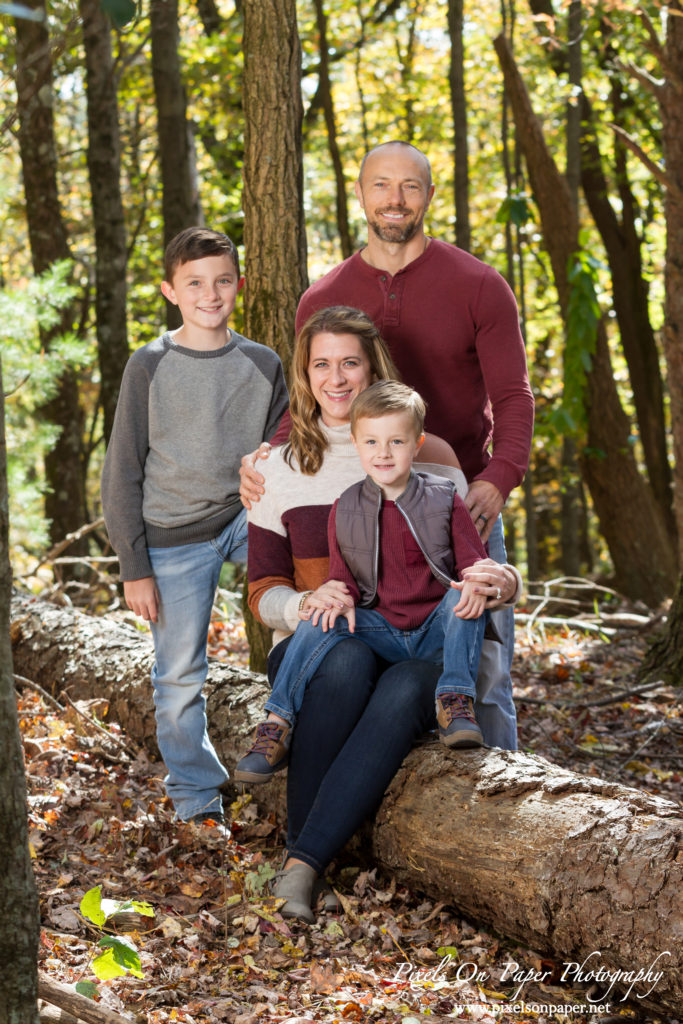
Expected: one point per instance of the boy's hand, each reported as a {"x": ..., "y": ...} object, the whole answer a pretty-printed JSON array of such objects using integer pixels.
[
  {"x": 332, "y": 594},
  {"x": 471, "y": 604},
  {"x": 328, "y": 618},
  {"x": 251, "y": 481},
  {"x": 142, "y": 597}
]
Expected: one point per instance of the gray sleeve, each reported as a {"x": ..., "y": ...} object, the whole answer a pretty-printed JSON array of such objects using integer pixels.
[
  {"x": 268, "y": 363},
  {"x": 124, "y": 467}
]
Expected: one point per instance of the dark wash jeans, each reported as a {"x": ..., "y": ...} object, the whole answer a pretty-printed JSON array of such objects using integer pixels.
[{"x": 357, "y": 722}]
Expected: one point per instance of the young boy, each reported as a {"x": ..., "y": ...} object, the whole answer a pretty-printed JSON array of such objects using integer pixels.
[
  {"x": 192, "y": 402},
  {"x": 396, "y": 539}
]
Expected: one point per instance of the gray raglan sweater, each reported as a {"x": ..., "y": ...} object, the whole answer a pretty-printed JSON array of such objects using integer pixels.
[{"x": 184, "y": 420}]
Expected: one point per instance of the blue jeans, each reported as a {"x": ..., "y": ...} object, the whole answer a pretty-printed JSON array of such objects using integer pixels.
[
  {"x": 357, "y": 723},
  {"x": 186, "y": 577},
  {"x": 494, "y": 708},
  {"x": 442, "y": 637}
]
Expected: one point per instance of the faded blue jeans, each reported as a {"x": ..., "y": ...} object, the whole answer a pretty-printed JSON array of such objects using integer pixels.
[
  {"x": 186, "y": 577},
  {"x": 441, "y": 638},
  {"x": 494, "y": 707}
]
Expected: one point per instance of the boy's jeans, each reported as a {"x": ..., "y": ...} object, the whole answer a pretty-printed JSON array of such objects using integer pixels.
[
  {"x": 442, "y": 637},
  {"x": 186, "y": 577}
]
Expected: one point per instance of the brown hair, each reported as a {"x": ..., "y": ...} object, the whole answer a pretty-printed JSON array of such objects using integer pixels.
[
  {"x": 307, "y": 443},
  {"x": 194, "y": 244},
  {"x": 385, "y": 397}
]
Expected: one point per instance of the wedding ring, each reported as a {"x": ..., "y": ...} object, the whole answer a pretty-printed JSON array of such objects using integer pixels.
[
  {"x": 498, "y": 594},
  {"x": 482, "y": 516}
]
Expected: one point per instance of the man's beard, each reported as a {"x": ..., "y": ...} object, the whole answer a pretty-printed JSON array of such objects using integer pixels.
[{"x": 397, "y": 233}]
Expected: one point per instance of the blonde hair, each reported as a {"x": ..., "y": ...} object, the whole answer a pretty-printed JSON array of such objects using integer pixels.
[
  {"x": 385, "y": 397},
  {"x": 307, "y": 442}
]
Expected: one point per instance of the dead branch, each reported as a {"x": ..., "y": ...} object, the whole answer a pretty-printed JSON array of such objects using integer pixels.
[{"x": 77, "y": 1005}]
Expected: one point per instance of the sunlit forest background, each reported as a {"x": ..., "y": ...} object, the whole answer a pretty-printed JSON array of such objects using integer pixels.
[{"x": 118, "y": 130}]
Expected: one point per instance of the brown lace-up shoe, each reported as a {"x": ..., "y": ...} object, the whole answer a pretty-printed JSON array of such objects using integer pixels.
[
  {"x": 457, "y": 725},
  {"x": 268, "y": 754}
]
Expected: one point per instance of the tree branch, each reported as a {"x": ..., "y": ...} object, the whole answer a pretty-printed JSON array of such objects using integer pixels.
[{"x": 655, "y": 169}]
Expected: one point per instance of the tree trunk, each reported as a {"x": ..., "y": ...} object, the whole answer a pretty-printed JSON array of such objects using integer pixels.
[
  {"x": 274, "y": 231},
  {"x": 65, "y": 504},
  {"x": 327, "y": 100},
  {"x": 565, "y": 863},
  {"x": 630, "y": 520},
  {"x": 104, "y": 163},
  {"x": 19, "y": 915},
  {"x": 456, "y": 80},
  {"x": 180, "y": 198}
]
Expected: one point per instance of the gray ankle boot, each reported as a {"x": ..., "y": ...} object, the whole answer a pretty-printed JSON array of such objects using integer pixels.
[{"x": 296, "y": 887}]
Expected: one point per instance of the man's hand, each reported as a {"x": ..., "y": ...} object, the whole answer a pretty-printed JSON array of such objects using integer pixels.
[
  {"x": 251, "y": 481},
  {"x": 485, "y": 502},
  {"x": 471, "y": 604},
  {"x": 496, "y": 582},
  {"x": 142, "y": 597}
]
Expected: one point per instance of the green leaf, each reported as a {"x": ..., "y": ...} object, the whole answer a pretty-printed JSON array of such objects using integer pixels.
[
  {"x": 123, "y": 954},
  {"x": 120, "y": 11},
  {"x": 91, "y": 906},
  {"x": 105, "y": 967},
  {"x": 87, "y": 988}
]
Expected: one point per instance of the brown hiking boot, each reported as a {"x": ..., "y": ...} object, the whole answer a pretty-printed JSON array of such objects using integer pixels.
[
  {"x": 268, "y": 754},
  {"x": 457, "y": 725}
]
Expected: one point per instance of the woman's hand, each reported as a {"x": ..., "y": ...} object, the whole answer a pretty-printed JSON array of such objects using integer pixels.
[
  {"x": 332, "y": 595},
  {"x": 251, "y": 481},
  {"x": 497, "y": 582}
]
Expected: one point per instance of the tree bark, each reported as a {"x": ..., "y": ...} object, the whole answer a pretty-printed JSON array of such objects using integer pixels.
[
  {"x": 65, "y": 504},
  {"x": 104, "y": 169},
  {"x": 564, "y": 863},
  {"x": 630, "y": 520},
  {"x": 456, "y": 81},
  {"x": 274, "y": 231},
  {"x": 180, "y": 197},
  {"x": 19, "y": 915}
]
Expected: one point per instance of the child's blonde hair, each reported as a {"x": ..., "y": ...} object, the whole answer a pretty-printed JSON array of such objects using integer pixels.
[{"x": 387, "y": 396}]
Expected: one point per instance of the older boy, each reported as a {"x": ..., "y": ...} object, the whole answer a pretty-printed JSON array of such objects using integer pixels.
[
  {"x": 192, "y": 402},
  {"x": 396, "y": 539}
]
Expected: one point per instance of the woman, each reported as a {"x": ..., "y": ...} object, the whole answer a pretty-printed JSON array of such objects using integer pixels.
[{"x": 357, "y": 722}]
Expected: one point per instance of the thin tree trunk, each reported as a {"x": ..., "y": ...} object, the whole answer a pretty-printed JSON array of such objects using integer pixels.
[
  {"x": 65, "y": 505},
  {"x": 569, "y": 528},
  {"x": 327, "y": 100},
  {"x": 563, "y": 862},
  {"x": 19, "y": 915},
  {"x": 180, "y": 198},
  {"x": 456, "y": 81},
  {"x": 274, "y": 230},
  {"x": 630, "y": 519},
  {"x": 104, "y": 163}
]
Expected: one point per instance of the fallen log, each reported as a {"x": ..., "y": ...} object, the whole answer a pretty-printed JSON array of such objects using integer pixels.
[
  {"x": 74, "y": 1006},
  {"x": 587, "y": 870}
]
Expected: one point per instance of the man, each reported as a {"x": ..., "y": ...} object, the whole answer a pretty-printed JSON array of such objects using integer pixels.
[{"x": 452, "y": 326}]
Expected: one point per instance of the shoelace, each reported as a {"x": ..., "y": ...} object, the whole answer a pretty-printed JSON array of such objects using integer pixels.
[
  {"x": 456, "y": 704},
  {"x": 267, "y": 733}
]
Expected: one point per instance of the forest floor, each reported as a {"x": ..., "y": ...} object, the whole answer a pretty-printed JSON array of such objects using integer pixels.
[{"x": 217, "y": 950}]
